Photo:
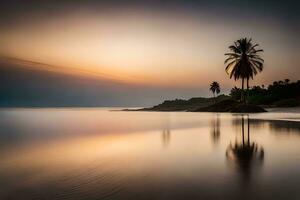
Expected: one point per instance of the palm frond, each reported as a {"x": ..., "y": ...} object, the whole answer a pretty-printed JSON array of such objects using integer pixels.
[
  {"x": 229, "y": 66},
  {"x": 243, "y": 61},
  {"x": 252, "y": 48},
  {"x": 230, "y": 59}
]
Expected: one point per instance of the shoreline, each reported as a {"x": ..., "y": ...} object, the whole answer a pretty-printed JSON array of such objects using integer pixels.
[{"x": 268, "y": 109}]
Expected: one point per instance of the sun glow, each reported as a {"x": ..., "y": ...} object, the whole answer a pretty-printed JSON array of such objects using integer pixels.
[{"x": 134, "y": 47}]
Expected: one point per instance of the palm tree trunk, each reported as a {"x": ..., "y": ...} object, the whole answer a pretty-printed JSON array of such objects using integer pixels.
[
  {"x": 214, "y": 98},
  {"x": 247, "y": 90},
  {"x": 242, "y": 95},
  {"x": 247, "y": 83}
]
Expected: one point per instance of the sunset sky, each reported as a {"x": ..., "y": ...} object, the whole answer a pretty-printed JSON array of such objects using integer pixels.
[{"x": 136, "y": 53}]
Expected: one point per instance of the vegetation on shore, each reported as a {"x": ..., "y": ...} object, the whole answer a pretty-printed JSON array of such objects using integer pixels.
[
  {"x": 278, "y": 94},
  {"x": 186, "y": 105}
]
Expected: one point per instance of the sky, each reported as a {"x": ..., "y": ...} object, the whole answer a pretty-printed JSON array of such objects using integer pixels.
[{"x": 136, "y": 53}]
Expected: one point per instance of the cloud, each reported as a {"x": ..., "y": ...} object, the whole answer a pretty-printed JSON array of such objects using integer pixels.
[{"x": 23, "y": 86}]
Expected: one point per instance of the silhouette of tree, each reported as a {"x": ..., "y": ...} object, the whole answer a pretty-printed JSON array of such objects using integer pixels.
[
  {"x": 235, "y": 93},
  {"x": 215, "y": 88},
  {"x": 280, "y": 92},
  {"x": 243, "y": 61},
  {"x": 286, "y": 81}
]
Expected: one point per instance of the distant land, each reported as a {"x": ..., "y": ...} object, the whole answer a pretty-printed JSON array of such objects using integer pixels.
[
  {"x": 279, "y": 94},
  {"x": 222, "y": 103},
  {"x": 192, "y": 104}
]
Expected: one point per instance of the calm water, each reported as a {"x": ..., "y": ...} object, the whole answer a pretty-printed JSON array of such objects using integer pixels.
[{"x": 100, "y": 154}]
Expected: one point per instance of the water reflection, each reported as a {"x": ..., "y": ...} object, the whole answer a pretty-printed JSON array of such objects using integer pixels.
[
  {"x": 246, "y": 156},
  {"x": 166, "y": 133},
  {"x": 215, "y": 129},
  {"x": 285, "y": 126},
  {"x": 166, "y": 136},
  {"x": 96, "y": 154}
]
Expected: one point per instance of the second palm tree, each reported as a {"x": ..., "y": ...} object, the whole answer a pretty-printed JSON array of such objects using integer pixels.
[{"x": 215, "y": 89}]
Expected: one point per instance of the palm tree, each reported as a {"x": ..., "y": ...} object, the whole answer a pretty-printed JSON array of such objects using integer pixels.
[
  {"x": 215, "y": 88},
  {"x": 243, "y": 61}
]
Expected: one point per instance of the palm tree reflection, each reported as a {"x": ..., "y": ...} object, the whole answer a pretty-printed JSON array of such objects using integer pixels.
[
  {"x": 166, "y": 133},
  {"x": 166, "y": 136},
  {"x": 247, "y": 155},
  {"x": 215, "y": 129}
]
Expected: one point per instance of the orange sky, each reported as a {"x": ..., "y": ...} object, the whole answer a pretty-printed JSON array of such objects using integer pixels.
[{"x": 146, "y": 47}]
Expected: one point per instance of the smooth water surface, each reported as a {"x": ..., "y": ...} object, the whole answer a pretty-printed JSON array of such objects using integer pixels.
[{"x": 92, "y": 153}]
